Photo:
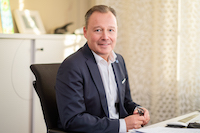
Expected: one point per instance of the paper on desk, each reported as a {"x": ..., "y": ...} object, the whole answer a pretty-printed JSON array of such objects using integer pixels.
[{"x": 165, "y": 130}]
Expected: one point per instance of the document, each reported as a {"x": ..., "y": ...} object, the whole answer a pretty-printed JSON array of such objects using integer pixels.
[{"x": 165, "y": 130}]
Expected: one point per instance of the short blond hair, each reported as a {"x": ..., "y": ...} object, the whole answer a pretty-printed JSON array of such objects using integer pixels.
[{"x": 98, "y": 8}]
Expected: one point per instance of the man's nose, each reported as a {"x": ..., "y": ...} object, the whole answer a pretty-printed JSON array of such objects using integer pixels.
[{"x": 105, "y": 35}]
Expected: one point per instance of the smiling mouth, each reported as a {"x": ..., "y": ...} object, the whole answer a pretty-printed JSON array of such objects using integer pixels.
[{"x": 104, "y": 44}]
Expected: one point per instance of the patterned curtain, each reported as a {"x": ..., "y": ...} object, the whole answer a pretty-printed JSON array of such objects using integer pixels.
[{"x": 160, "y": 41}]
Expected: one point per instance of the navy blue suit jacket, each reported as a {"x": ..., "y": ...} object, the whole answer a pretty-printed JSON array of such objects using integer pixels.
[{"x": 81, "y": 97}]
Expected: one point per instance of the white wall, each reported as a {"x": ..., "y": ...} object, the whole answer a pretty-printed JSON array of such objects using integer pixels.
[{"x": 56, "y": 13}]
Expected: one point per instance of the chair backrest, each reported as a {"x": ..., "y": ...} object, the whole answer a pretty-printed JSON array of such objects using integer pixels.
[{"x": 45, "y": 75}]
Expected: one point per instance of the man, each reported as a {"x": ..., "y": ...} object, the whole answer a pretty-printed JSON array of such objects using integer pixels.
[{"x": 92, "y": 86}]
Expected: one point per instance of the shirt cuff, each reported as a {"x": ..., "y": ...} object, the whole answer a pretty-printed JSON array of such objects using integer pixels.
[{"x": 122, "y": 126}]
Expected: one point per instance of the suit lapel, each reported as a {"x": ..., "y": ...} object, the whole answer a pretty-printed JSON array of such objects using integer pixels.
[
  {"x": 120, "y": 79},
  {"x": 93, "y": 68}
]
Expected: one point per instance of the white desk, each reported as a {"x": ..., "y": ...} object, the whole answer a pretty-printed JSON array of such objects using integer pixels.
[
  {"x": 161, "y": 126},
  {"x": 164, "y": 123}
]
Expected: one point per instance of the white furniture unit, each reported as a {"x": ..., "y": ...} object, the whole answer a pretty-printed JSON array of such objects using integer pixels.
[{"x": 20, "y": 107}]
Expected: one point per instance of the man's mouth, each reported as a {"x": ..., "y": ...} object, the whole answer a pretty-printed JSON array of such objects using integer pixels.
[{"x": 103, "y": 44}]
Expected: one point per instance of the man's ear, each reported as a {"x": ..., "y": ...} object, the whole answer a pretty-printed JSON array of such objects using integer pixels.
[{"x": 85, "y": 32}]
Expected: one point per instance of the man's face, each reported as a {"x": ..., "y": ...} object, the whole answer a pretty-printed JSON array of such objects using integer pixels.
[{"x": 101, "y": 33}]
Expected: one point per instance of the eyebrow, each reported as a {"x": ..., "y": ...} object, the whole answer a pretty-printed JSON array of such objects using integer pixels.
[
  {"x": 108, "y": 26},
  {"x": 112, "y": 27}
]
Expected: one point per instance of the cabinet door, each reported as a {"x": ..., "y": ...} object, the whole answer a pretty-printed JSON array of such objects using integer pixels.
[
  {"x": 56, "y": 50},
  {"x": 51, "y": 51},
  {"x": 15, "y": 90}
]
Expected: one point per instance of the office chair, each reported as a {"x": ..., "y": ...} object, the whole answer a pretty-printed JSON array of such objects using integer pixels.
[{"x": 45, "y": 75}]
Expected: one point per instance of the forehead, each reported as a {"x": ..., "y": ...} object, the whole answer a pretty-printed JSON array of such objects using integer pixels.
[{"x": 102, "y": 19}]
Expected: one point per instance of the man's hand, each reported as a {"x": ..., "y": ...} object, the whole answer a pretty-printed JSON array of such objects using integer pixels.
[
  {"x": 136, "y": 120},
  {"x": 146, "y": 115}
]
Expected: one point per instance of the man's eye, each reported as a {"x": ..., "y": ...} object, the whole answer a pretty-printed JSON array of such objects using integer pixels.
[
  {"x": 111, "y": 30},
  {"x": 97, "y": 30}
]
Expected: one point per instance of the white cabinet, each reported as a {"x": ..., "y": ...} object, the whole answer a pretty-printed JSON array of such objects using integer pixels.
[
  {"x": 55, "y": 50},
  {"x": 15, "y": 86},
  {"x": 20, "y": 107}
]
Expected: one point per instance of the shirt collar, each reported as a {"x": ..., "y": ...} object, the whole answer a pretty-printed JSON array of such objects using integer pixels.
[{"x": 111, "y": 58}]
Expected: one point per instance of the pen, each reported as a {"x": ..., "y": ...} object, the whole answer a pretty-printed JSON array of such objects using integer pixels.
[{"x": 140, "y": 111}]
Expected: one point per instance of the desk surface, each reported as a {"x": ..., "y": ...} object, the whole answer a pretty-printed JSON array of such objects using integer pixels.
[
  {"x": 160, "y": 127},
  {"x": 164, "y": 123}
]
